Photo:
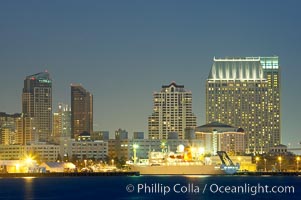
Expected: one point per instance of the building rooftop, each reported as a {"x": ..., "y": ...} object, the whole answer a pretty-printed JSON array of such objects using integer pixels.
[
  {"x": 245, "y": 68},
  {"x": 54, "y": 164},
  {"x": 219, "y": 127},
  {"x": 215, "y": 125},
  {"x": 15, "y": 115},
  {"x": 173, "y": 84},
  {"x": 80, "y": 89},
  {"x": 40, "y": 76},
  {"x": 84, "y": 133},
  {"x": 173, "y": 87}
]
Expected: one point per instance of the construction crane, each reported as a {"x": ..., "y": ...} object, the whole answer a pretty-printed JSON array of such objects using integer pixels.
[{"x": 227, "y": 165}]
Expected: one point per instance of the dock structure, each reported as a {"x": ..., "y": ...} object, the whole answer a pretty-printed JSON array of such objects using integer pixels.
[
  {"x": 68, "y": 174},
  {"x": 268, "y": 173}
]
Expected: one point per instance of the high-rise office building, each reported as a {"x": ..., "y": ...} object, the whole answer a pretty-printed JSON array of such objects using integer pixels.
[
  {"x": 65, "y": 112},
  {"x": 10, "y": 129},
  {"x": 272, "y": 73},
  {"x": 37, "y": 105},
  {"x": 245, "y": 92},
  {"x": 56, "y": 127},
  {"x": 29, "y": 130},
  {"x": 61, "y": 123},
  {"x": 172, "y": 112},
  {"x": 81, "y": 111}
]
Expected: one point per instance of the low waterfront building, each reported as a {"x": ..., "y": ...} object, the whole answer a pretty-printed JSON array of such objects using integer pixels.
[
  {"x": 18, "y": 166},
  {"x": 118, "y": 149},
  {"x": 40, "y": 152},
  {"x": 44, "y": 152},
  {"x": 278, "y": 149},
  {"x": 84, "y": 149},
  {"x": 221, "y": 137}
]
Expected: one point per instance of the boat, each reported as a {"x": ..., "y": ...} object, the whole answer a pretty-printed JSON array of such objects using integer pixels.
[{"x": 169, "y": 163}]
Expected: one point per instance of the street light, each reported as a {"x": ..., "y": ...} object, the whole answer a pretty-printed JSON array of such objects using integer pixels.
[
  {"x": 135, "y": 147},
  {"x": 193, "y": 151},
  {"x": 201, "y": 150},
  {"x": 180, "y": 148},
  {"x": 112, "y": 162},
  {"x": 163, "y": 147},
  {"x": 29, "y": 160},
  {"x": 279, "y": 159},
  {"x": 257, "y": 159},
  {"x": 265, "y": 164},
  {"x": 239, "y": 160},
  {"x": 298, "y": 159}
]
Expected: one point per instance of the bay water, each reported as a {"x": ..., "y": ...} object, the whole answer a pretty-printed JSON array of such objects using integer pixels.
[{"x": 152, "y": 187}]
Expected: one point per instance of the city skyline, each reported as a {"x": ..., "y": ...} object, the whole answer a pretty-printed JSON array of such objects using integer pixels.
[{"x": 123, "y": 52}]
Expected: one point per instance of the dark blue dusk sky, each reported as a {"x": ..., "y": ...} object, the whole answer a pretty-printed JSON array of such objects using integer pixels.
[{"x": 123, "y": 51}]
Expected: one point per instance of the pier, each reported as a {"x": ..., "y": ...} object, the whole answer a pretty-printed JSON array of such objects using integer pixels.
[
  {"x": 269, "y": 173},
  {"x": 67, "y": 174}
]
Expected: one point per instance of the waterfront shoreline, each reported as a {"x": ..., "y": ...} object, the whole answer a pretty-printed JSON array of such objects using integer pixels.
[
  {"x": 67, "y": 174},
  {"x": 268, "y": 173},
  {"x": 79, "y": 174}
]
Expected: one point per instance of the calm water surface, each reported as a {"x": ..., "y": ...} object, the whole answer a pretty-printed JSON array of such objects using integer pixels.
[{"x": 152, "y": 187}]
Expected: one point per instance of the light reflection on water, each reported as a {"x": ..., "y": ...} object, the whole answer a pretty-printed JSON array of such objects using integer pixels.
[
  {"x": 196, "y": 176},
  {"x": 28, "y": 187}
]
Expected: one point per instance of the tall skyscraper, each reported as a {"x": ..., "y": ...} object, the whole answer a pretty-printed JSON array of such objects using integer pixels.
[
  {"x": 245, "y": 92},
  {"x": 65, "y": 112},
  {"x": 56, "y": 127},
  {"x": 61, "y": 123},
  {"x": 37, "y": 105},
  {"x": 172, "y": 112},
  {"x": 81, "y": 111},
  {"x": 272, "y": 72}
]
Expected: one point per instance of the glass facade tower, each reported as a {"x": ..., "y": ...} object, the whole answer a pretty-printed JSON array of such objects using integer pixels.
[
  {"x": 81, "y": 111},
  {"x": 37, "y": 106}
]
